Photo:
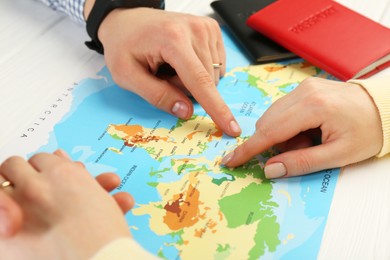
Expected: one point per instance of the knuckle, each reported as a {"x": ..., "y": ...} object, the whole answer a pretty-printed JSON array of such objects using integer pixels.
[
  {"x": 174, "y": 31},
  {"x": 258, "y": 123},
  {"x": 315, "y": 99},
  {"x": 198, "y": 27},
  {"x": 308, "y": 82},
  {"x": 303, "y": 163},
  {"x": 37, "y": 157},
  {"x": 203, "y": 79},
  {"x": 214, "y": 26},
  {"x": 213, "y": 22},
  {"x": 320, "y": 103},
  {"x": 36, "y": 192},
  {"x": 265, "y": 132},
  {"x": 210, "y": 22},
  {"x": 159, "y": 98},
  {"x": 243, "y": 149},
  {"x": 65, "y": 168},
  {"x": 223, "y": 110},
  {"x": 10, "y": 161}
]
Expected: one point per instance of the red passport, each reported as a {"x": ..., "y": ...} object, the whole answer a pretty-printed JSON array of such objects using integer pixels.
[{"x": 331, "y": 36}]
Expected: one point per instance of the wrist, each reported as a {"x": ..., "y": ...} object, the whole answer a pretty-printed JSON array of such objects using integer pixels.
[
  {"x": 97, "y": 10},
  {"x": 87, "y": 8},
  {"x": 115, "y": 19}
]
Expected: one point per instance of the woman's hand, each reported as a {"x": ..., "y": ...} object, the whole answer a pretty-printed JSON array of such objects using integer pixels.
[
  {"x": 56, "y": 209},
  {"x": 321, "y": 124}
]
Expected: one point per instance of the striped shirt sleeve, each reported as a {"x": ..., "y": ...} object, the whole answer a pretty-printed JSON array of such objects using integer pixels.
[{"x": 74, "y": 8}]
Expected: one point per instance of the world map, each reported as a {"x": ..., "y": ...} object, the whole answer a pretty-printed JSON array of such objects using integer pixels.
[{"x": 188, "y": 206}]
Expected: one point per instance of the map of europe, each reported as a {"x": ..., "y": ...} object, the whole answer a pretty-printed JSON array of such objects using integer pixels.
[{"x": 188, "y": 206}]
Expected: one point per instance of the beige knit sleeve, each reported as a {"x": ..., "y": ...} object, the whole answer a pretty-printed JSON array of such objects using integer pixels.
[{"x": 379, "y": 89}]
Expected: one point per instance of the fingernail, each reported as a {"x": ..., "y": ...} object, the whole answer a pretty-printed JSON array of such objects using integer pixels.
[
  {"x": 227, "y": 158},
  {"x": 180, "y": 109},
  {"x": 235, "y": 127},
  {"x": 275, "y": 170},
  {"x": 4, "y": 222},
  {"x": 63, "y": 154},
  {"x": 81, "y": 164}
]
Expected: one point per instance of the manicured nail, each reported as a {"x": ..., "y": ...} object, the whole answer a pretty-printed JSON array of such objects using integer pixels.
[
  {"x": 63, "y": 154},
  {"x": 227, "y": 158},
  {"x": 4, "y": 222},
  {"x": 235, "y": 127},
  {"x": 275, "y": 170},
  {"x": 81, "y": 164},
  {"x": 180, "y": 109}
]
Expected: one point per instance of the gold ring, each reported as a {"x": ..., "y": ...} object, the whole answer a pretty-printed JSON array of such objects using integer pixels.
[
  {"x": 5, "y": 184},
  {"x": 217, "y": 65}
]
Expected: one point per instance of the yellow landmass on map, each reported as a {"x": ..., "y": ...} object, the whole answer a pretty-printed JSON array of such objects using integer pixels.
[
  {"x": 269, "y": 78},
  {"x": 192, "y": 203},
  {"x": 115, "y": 150},
  {"x": 288, "y": 238},
  {"x": 287, "y": 195}
]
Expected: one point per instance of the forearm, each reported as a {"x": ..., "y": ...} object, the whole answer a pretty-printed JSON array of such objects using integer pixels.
[{"x": 88, "y": 7}]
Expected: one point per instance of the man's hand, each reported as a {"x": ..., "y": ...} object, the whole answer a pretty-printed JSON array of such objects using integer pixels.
[{"x": 139, "y": 42}]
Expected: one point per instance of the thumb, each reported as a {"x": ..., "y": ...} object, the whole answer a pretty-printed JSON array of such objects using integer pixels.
[
  {"x": 158, "y": 92},
  {"x": 304, "y": 161}
]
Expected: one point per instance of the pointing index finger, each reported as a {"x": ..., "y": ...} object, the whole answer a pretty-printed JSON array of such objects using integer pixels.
[
  {"x": 273, "y": 129},
  {"x": 201, "y": 85}
]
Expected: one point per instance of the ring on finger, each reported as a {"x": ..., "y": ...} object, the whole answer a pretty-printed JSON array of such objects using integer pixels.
[
  {"x": 5, "y": 184},
  {"x": 217, "y": 65}
]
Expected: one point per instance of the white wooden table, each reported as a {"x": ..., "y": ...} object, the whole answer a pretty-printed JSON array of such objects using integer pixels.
[{"x": 43, "y": 52}]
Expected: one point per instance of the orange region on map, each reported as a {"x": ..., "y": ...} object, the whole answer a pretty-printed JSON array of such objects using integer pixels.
[
  {"x": 183, "y": 210},
  {"x": 134, "y": 134},
  {"x": 274, "y": 68}
]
